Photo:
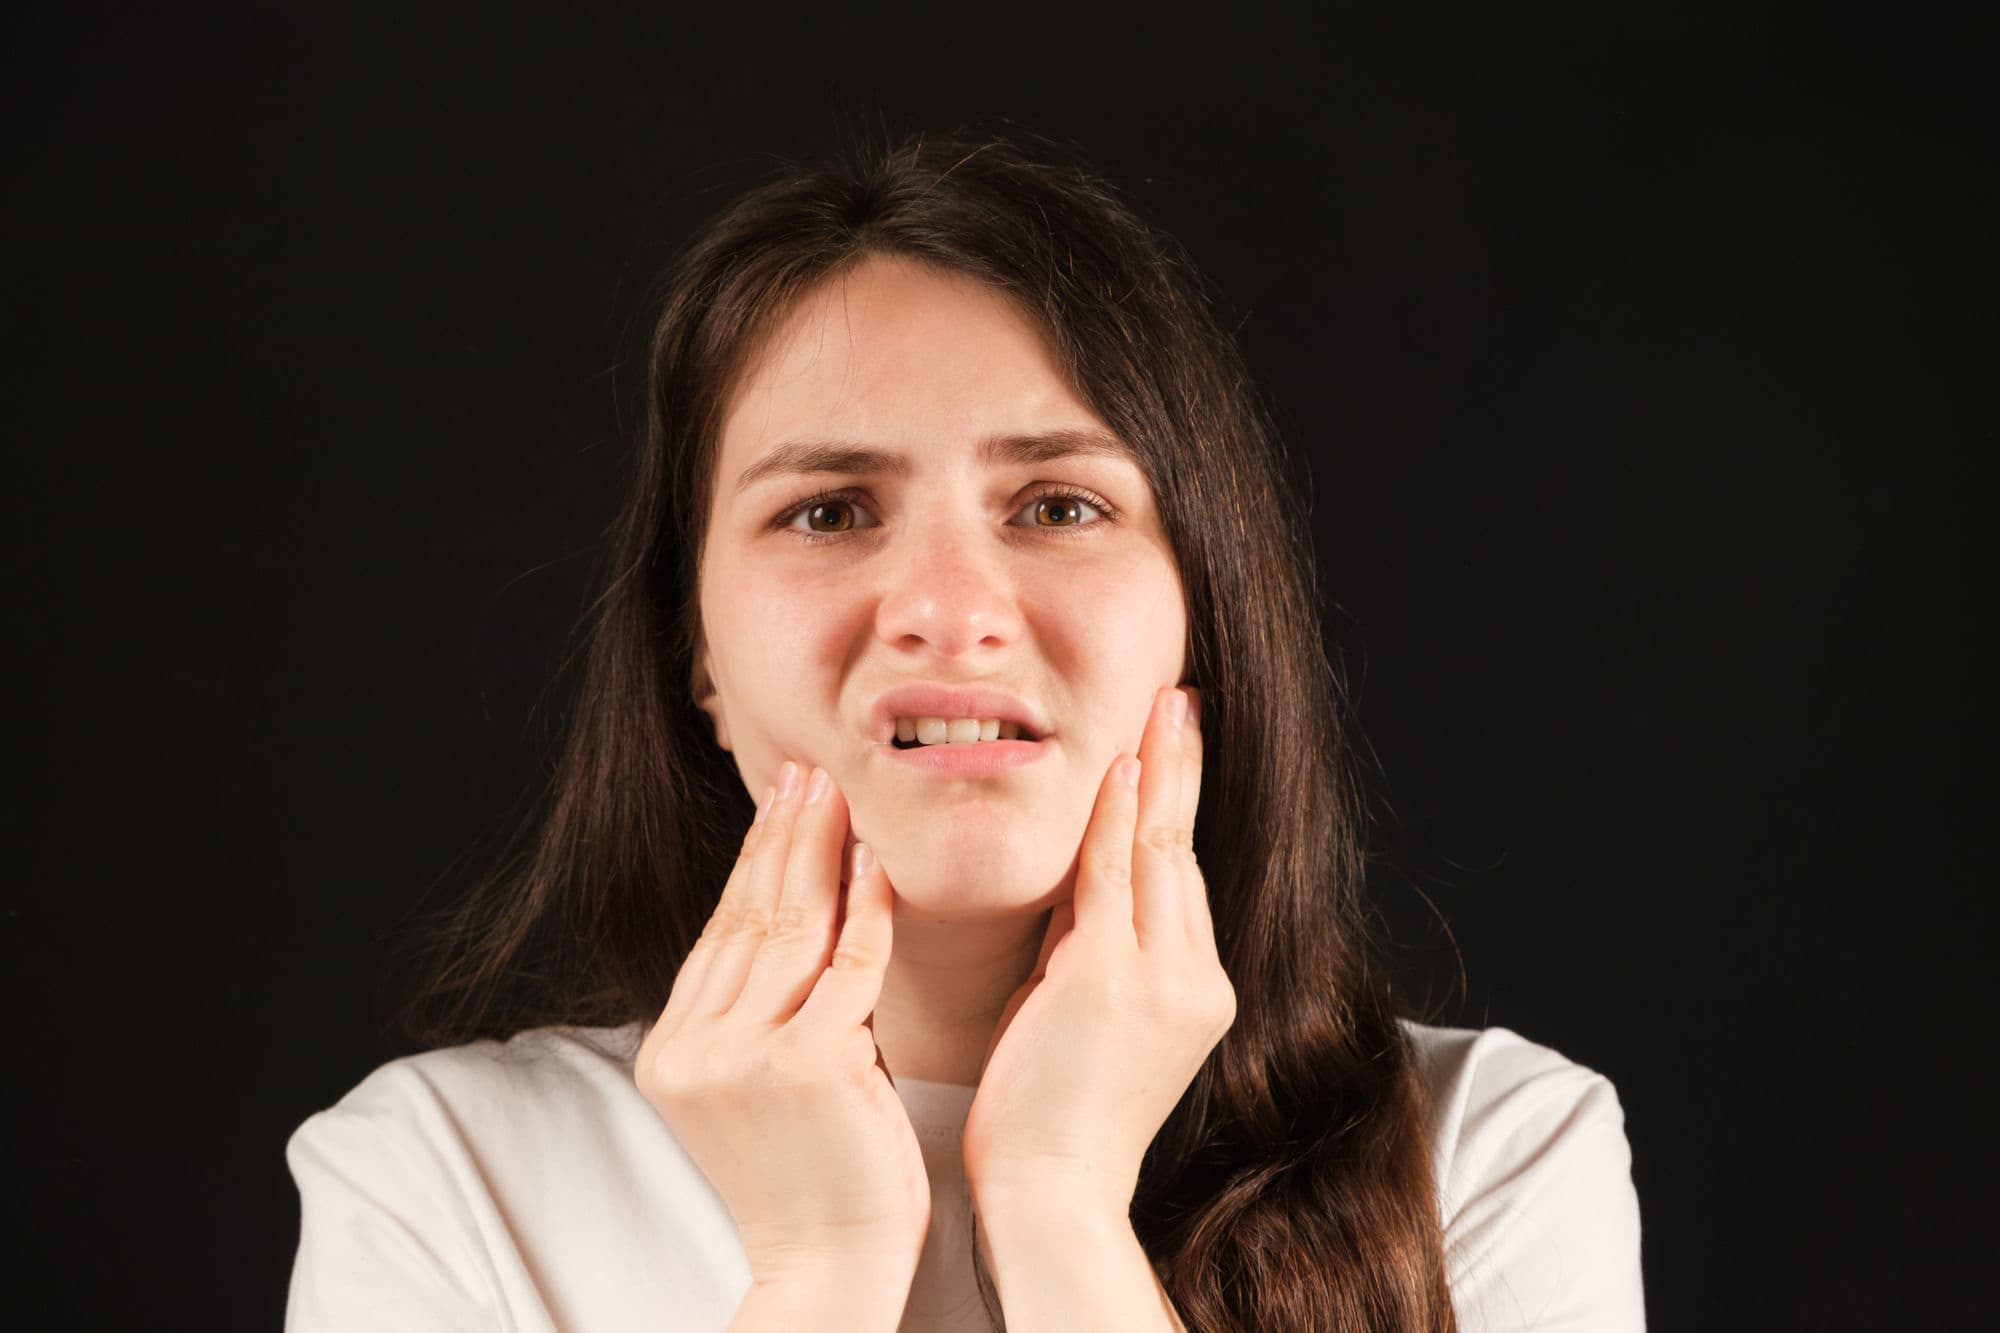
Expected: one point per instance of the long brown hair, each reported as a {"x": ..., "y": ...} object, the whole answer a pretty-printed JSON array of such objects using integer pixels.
[{"x": 1292, "y": 1186}]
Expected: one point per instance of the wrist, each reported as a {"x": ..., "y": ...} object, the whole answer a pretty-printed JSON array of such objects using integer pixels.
[
  {"x": 1023, "y": 1217},
  {"x": 1060, "y": 1205},
  {"x": 846, "y": 1300},
  {"x": 1063, "y": 1266}
]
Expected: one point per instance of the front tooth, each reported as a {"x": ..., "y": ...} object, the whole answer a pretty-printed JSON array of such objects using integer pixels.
[{"x": 952, "y": 730}]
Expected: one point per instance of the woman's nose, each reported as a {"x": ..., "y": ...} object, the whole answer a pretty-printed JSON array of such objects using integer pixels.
[{"x": 950, "y": 592}]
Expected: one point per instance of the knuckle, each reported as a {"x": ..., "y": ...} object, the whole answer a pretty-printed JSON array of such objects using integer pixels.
[
  {"x": 718, "y": 924},
  {"x": 747, "y": 919},
  {"x": 1164, "y": 839},
  {"x": 1222, "y": 1003},
  {"x": 793, "y": 922},
  {"x": 1111, "y": 868},
  {"x": 666, "y": 1077},
  {"x": 852, "y": 956}
]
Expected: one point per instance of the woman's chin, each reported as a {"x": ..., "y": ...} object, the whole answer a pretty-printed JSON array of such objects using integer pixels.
[{"x": 945, "y": 884}]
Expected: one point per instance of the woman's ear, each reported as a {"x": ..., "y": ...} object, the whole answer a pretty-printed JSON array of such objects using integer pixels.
[{"x": 709, "y": 699}]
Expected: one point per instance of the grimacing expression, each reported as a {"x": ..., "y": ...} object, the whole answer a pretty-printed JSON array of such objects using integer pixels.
[{"x": 944, "y": 561}]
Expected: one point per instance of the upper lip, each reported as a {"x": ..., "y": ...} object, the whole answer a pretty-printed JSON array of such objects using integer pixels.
[{"x": 948, "y": 701}]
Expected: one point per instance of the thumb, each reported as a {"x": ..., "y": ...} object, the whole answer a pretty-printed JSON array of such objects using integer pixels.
[
  {"x": 881, "y": 1062},
  {"x": 1062, "y": 917}
]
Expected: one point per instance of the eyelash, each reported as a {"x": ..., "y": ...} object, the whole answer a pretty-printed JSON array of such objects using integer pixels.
[{"x": 1047, "y": 492}]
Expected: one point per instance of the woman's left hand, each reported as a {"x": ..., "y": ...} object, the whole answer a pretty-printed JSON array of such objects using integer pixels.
[{"x": 1127, "y": 999}]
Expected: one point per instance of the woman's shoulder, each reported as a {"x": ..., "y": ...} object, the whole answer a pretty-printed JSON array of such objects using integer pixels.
[
  {"x": 1534, "y": 1176},
  {"x": 558, "y": 1061},
  {"x": 524, "y": 1182},
  {"x": 1480, "y": 1072},
  {"x": 552, "y": 1079},
  {"x": 1495, "y": 1091}
]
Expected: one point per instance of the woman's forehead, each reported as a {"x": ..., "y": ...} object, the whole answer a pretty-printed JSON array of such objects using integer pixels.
[{"x": 915, "y": 367}]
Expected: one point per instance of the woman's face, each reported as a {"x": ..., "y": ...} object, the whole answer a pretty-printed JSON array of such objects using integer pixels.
[{"x": 944, "y": 562}]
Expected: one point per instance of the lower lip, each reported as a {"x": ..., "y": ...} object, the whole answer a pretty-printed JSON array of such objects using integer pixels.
[{"x": 979, "y": 759}]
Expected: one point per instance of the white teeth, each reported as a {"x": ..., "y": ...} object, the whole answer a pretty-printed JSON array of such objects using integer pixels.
[{"x": 955, "y": 730}]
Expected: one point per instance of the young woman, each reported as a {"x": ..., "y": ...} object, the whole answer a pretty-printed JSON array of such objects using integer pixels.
[{"x": 949, "y": 906}]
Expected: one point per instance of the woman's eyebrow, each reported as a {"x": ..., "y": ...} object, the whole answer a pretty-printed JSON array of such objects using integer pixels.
[{"x": 860, "y": 460}]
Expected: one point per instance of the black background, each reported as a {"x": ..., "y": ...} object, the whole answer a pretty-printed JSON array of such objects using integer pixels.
[{"x": 1628, "y": 357}]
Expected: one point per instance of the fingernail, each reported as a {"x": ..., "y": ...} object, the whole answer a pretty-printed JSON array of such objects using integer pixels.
[
  {"x": 788, "y": 779},
  {"x": 1178, "y": 709},
  {"x": 817, "y": 787},
  {"x": 863, "y": 859},
  {"x": 1130, "y": 772},
  {"x": 764, "y": 805}
]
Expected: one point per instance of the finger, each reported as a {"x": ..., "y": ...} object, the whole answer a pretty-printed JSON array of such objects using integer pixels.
[
  {"x": 1200, "y": 917},
  {"x": 745, "y": 918},
  {"x": 1103, "y": 896},
  {"x": 688, "y": 982},
  {"x": 1062, "y": 919},
  {"x": 1159, "y": 861},
  {"x": 802, "y": 933},
  {"x": 1191, "y": 739},
  {"x": 844, "y": 996}
]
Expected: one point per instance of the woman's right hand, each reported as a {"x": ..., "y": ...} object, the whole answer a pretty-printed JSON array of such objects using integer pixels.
[{"x": 764, "y": 1062}]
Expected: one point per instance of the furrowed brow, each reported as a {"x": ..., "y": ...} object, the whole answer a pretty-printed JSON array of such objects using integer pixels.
[
  {"x": 1048, "y": 446},
  {"x": 858, "y": 460},
  {"x": 850, "y": 459}
]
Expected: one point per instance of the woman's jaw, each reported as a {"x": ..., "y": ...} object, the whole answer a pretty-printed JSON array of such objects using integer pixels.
[{"x": 999, "y": 846}]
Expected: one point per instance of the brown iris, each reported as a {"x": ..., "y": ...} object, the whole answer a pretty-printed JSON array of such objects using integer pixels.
[{"x": 839, "y": 517}]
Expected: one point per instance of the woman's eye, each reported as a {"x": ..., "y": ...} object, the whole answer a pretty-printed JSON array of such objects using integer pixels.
[
  {"x": 827, "y": 517},
  {"x": 1062, "y": 509},
  {"x": 839, "y": 515}
]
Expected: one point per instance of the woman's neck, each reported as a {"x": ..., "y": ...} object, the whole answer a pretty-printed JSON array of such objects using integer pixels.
[{"x": 946, "y": 985}]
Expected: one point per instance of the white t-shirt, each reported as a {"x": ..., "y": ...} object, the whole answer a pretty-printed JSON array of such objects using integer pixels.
[{"x": 527, "y": 1185}]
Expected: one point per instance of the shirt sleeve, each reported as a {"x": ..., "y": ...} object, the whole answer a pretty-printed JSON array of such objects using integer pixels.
[
  {"x": 1542, "y": 1229},
  {"x": 384, "y": 1239}
]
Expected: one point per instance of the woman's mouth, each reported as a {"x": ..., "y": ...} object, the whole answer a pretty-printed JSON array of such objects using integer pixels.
[
  {"x": 921, "y": 732},
  {"x": 961, "y": 747}
]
